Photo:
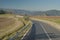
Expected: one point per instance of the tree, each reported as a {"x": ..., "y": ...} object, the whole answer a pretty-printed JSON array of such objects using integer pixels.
[{"x": 2, "y": 12}]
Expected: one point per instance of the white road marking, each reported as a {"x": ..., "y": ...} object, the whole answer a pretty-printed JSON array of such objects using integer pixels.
[{"x": 45, "y": 32}]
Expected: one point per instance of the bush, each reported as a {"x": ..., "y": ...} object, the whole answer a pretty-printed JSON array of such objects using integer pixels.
[
  {"x": 2, "y": 12},
  {"x": 26, "y": 17}
]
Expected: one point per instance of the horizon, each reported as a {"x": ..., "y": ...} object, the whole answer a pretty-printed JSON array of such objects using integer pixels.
[
  {"x": 31, "y": 5},
  {"x": 28, "y": 10}
]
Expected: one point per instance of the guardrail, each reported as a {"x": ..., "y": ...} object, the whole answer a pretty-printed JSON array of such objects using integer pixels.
[
  {"x": 27, "y": 32},
  {"x": 19, "y": 35}
]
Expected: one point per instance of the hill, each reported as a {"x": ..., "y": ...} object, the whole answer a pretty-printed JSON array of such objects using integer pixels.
[{"x": 33, "y": 13}]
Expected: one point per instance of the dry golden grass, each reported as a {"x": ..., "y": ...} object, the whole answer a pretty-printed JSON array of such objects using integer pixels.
[
  {"x": 5, "y": 22},
  {"x": 49, "y": 18},
  {"x": 9, "y": 24}
]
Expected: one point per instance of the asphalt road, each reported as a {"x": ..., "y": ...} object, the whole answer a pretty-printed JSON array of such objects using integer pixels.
[{"x": 42, "y": 31}]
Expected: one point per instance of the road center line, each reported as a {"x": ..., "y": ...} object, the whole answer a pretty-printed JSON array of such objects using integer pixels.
[{"x": 45, "y": 32}]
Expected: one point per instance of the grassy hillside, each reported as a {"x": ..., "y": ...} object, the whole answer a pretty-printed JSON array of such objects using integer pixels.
[{"x": 10, "y": 24}]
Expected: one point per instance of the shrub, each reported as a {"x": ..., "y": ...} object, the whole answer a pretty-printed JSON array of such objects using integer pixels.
[
  {"x": 26, "y": 17},
  {"x": 2, "y": 12}
]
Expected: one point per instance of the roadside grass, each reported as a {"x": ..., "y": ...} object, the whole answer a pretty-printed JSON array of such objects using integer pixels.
[
  {"x": 24, "y": 21},
  {"x": 10, "y": 25},
  {"x": 55, "y": 19},
  {"x": 24, "y": 31},
  {"x": 21, "y": 33}
]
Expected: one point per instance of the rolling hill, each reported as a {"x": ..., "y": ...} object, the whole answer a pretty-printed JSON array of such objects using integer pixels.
[{"x": 33, "y": 13}]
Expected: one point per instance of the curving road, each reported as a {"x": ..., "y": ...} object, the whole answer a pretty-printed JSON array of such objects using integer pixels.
[{"x": 42, "y": 31}]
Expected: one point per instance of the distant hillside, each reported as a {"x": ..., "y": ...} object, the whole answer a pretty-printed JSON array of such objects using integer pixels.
[{"x": 33, "y": 13}]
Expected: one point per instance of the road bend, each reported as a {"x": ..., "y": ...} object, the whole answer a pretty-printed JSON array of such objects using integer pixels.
[{"x": 42, "y": 31}]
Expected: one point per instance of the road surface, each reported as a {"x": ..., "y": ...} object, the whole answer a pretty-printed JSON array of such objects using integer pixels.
[{"x": 42, "y": 31}]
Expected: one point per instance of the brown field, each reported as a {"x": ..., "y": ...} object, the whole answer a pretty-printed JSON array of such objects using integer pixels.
[
  {"x": 9, "y": 24},
  {"x": 4, "y": 22}
]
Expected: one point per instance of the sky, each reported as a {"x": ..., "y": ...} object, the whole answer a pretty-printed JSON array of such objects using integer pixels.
[{"x": 33, "y": 5}]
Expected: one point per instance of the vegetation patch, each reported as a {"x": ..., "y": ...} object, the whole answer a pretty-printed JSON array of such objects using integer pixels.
[
  {"x": 49, "y": 18},
  {"x": 10, "y": 25}
]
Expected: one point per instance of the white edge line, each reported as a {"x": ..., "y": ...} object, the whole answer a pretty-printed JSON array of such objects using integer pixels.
[{"x": 45, "y": 32}]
